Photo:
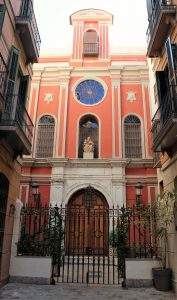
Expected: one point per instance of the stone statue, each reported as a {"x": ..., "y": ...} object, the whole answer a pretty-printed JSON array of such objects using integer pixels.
[{"x": 88, "y": 145}]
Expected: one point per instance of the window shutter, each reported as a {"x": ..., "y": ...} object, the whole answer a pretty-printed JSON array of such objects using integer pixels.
[
  {"x": 171, "y": 62},
  {"x": 2, "y": 14},
  {"x": 13, "y": 68},
  {"x": 171, "y": 54},
  {"x": 158, "y": 89},
  {"x": 12, "y": 74},
  {"x": 23, "y": 89}
]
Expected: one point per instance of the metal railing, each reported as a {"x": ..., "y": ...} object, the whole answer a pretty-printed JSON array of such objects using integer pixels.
[
  {"x": 87, "y": 240},
  {"x": 3, "y": 75},
  {"x": 15, "y": 114},
  {"x": 166, "y": 111},
  {"x": 158, "y": 7},
  {"x": 91, "y": 49},
  {"x": 27, "y": 14}
]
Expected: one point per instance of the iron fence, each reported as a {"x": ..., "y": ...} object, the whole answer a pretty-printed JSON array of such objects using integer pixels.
[
  {"x": 160, "y": 5},
  {"x": 165, "y": 112},
  {"x": 15, "y": 114},
  {"x": 27, "y": 13},
  {"x": 87, "y": 245}
]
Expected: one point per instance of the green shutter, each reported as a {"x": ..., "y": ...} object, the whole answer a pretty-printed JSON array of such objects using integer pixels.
[
  {"x": 12, "y": 71},
  {"x": 23, "y": 89},
  {"x": 12, "y": 75},
  {"x": 2, "y": 14}
]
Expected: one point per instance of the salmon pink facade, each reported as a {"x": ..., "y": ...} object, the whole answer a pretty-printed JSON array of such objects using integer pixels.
[{"x": 90, "y": 94}]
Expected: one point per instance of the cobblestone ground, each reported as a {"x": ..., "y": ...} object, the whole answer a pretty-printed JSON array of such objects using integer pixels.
[{"x": 14, "y": 291}]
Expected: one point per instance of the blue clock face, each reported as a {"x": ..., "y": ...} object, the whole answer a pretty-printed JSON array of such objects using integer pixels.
[{"x": 89, "y": 92}]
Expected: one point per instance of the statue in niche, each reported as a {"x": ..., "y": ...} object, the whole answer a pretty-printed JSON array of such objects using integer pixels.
[{"x": 88, "y": 145}]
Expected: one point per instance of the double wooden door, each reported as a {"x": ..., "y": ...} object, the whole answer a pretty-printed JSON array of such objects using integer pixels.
[{"x": 87, "y": 224}]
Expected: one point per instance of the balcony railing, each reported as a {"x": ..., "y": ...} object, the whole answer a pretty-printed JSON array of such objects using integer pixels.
[
  {"x": 3, "y": 74},
  {"x": 16, "y": 124},
  {"x": 164, "y": 122},
  {"x": 158, "y": 27},
  {"x": 91, "y": 49},
  {"x": 29, "y": 33}
]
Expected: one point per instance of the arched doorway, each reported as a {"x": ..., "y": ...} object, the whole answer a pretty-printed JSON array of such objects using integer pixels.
[
  {"x": 4, "y": 190},
  {"x": 87, "y": 223}
]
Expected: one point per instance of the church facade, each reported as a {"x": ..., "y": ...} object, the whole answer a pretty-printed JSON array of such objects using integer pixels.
[{"x": 92, "y": 119}]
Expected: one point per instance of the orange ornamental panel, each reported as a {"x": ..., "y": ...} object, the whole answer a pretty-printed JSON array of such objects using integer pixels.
[
  {"x": 132, "y": 99},
  {"x": 48, "y": 102},
  {"x": 102, "y": 111},
  {"x": 41, "y": 171},
  {"x": 141, "y": 171}
]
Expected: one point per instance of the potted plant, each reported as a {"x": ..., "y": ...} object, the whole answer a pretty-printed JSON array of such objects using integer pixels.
[{"x": 163, "y": 209}]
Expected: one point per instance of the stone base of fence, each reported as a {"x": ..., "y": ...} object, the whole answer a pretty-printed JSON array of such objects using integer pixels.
[
  {"x": 139, "y": 272},
  {"x": 36, "y": 270}
]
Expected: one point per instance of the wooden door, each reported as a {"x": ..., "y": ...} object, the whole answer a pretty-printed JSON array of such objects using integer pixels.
[{"x": 87, "y": 224}]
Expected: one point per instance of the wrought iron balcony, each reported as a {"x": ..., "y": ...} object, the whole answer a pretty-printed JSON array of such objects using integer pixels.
[
  {"x": 91, "y": 49},
  {"x": 3, "y": 74},
  {"x": 160, "y": 21},
  {"x": 28, "y": 31},
  {"x": 164, "y": 124},
  {"x": 16, "y": 126}
]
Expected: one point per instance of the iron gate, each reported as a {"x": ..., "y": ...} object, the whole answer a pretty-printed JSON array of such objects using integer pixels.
[{"x": 87, "y": 245}]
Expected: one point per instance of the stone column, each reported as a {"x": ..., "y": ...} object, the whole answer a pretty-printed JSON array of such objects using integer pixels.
[
  {"x": 16, "y": 230},
  {"x": 56, "y": 193},
  {"x": 119, "y": 193}
]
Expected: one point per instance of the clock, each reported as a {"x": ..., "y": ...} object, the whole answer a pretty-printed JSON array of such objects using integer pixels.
[{"x": 89, "y": 92}]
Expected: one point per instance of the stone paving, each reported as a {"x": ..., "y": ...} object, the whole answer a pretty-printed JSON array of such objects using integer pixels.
[{"x": 16, "y": 291}]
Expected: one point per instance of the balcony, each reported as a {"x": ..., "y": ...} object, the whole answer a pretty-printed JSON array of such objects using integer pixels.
[
  {"x": 164, "y": 125},
  {"x": 3, "y": 74},
  {"x": 159, "y": 26},
  {"x": 91, "y": 49},
  {"x": 28, "y": 31},
  {"x": 16, "y": 126}
]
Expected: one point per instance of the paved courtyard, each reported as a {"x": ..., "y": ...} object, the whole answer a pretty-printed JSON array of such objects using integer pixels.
[{"x": 14, "y": 291}]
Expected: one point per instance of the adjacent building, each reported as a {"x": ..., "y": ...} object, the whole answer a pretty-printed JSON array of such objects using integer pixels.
[
  {"x": 92, "y": 117},
  {"x": 19, "y": 48},
  {"x": 162, "y": 49}
]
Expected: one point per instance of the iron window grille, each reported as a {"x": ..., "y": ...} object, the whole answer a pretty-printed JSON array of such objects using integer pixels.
[
  {"x": 45, "y": 137},
  {"x": 132, "y": 131}
]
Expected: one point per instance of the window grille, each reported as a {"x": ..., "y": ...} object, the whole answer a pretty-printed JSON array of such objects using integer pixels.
[
  {"x": 91, "y": 43},
  {"x": 45, "y": 137},
  {"x": 88, "y": 127},
  {"x": 132, "y": 133}
]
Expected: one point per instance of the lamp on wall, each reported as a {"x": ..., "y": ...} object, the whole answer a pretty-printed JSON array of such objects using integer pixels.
[
  {"x": 35, "y": 193},
  {"x": 139, "y": 189}
]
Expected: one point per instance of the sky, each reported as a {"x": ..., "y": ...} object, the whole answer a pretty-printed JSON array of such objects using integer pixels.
[{"x": 127, "y": 33}]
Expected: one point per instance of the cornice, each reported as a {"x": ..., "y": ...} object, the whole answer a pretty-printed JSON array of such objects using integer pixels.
[{"x": 83, "y": 163}]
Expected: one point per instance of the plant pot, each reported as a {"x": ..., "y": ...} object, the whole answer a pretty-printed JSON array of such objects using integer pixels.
[{"x": 162, "y": 279}]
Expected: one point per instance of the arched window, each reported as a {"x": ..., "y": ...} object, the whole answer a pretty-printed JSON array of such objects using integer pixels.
[
  {"x": 132, "y": 135},
  {"x": 4, "y": 191},
  {"x": 91, "y": 43},
  {"x": 88, "y": 127},
  {"x": 45, "y": 137}
]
